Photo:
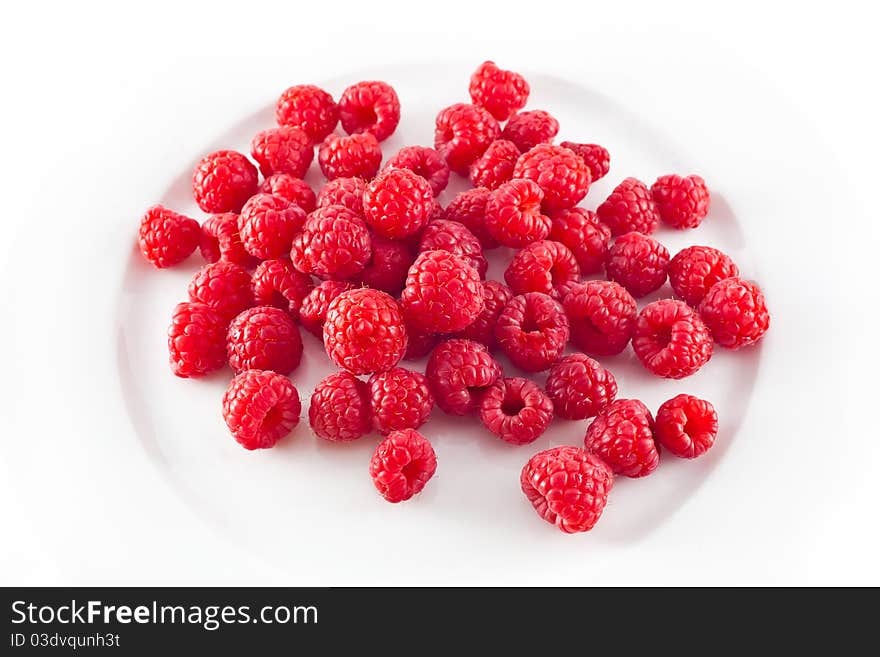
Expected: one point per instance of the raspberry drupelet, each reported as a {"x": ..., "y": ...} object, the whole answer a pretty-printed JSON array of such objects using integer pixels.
[
  {"x": 264, "y": 338},
  {"x": 516, "y": 410},
  {"x": 671, "y": 340},
  {"x": 686, "y": 426},
  {"x": 544, "y": 266},
  {"x": 339, "y": 410},
  {"x": 260, "y": 408},
  {"x": 580, "y": 387},
  {"x": 459, "y": 372},
  {"x": 400, "y": 399},
  {"x": 532, "y": 330},
  {"x": 402, "y": 464},
  {"x": 622, "y": 435}
]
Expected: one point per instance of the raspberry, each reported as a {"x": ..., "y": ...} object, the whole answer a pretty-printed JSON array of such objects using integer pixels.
[
  {"x": 602, "y": 316},
  {"x": 196, "y": 340},
  {"x": 597, "y": 158},
  {"x": 462, "y": 133},
  {"x": 543, "y": 266},
  {"x": 398, "y": 203},
  {"x": 735, "y": 312},
  {"x": 425, "y": 162},
  {"x": 496, "y": 296},
  {"x": 167, "y": 238},
  {"x": 686, "y": 426},
  {"x": 339, "y": 410},
  {"x": 276, "y": 283},
  {"x": 372, "y": 107},
  {"x": 334, "y": 243},
  {"x": 308, "y": 108},
  {"x": 561, "y": 175},
  {"x": 264, "y": 338},
  {"x": 622, "y": 435},
  {"x": 532, "y": 330},
  {"x": 388, "y": 265},
  {"x": 528, "y": 129},
  {"x": 694, "y": 270},
  {"x": 469, "y": 209},
  {"x": 402, "y": 464},
  {"x": 629, "y": 207},
  {"x": 224, "y": 286},
  {"x": 452, "y": 236},
  {"x": 568, "y": 487},
  {"x": 671, "y": 340},
  {"x": 223, "y": 181},
  {"x": 313, "y": 311},
  {"x": 495, "y": 167},
  {"x": 580, "y": 387},
  {"x": 220, "y": 240},
  {"x": 364, "y": 331},
  {"x": 637, "y": 262},
  {"x": 500, "y": 92},
  {"x": 459, "y": 372},
  {"x": 419, "y": 343},
  {"x": 513, "y": 214},
  {"x": 356, "y": 156},
  {"x": 292, "y": 188},
  {"x": 267, "y": 225},
  {"x": 260, "y": 408},
  {"x": 516, "y": 410},
  {"x": 347, "y": 192},
  {"x": 442, "y": 294},
  {"x": 400, "y": 399},
  {"x": 283, "y": 150},
  {"x": 584, "y": 235},
  {"x": 683, "y": 202}
]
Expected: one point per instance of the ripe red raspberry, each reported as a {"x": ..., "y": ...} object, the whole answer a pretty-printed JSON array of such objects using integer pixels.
[
  {"x": 196, "y": 340},
  {"x": 735, "y": 312},
  {"x": 292, "y": 188},
  {"x": 264, "y": 338},
  {"x": 400, "y": 399},
  {"x": 364, "y": 331},
  {"x": 516, "y": 410},
  {"x": 528, "y": 129},
  {"x": 671, "y": 340},
  {"x": 388, "y": 265},
  {"x": 224, "y": 286},
  {"x": 442, "y": 294},
  {"x": 283, "y": 150},
  {"x": 496, "y": 296},
  {"x": 622, "y": 435},
  {"x": 584, "y": 235},
  {"x": 167, "y": 238},
  {"x": 223, "y": 181},
  {"x": 602, "y": 316},
  {"x": 637, "y": 262},
  {"x": 561, "y": 175},
  {"x": 425, "y": 162},
  {"x": 260, "y": 408},
  {"x": 339, "y": 410},
  {"x": 308, "y": 108},
  {"x": 459, "y": 372},
  {"x": 267, "y": 225},
  {"x": 597, "y": 158},
  {"x": 313, "y": 311},
  {"x": 500, "y": 92},
  {"x": 419, "y": 343},
  {"x": 694, "y": 270},
  {"x": 580, "y": 387},
  {"x": 543, "y": 266},
  {"x": 402, "y": 464},
  {"x": 629, "y": 207},
  {"x": 355, "y": 156},
  {"x": 370, "y": 106},
  {"x": 454, "y": 237},
  {"x": 276, "y": 283},
  {"x": 398, "y": 203},
  {"x": 469, "y": 209},
  {"x": 462, "y": 133},
  {"x": 347, "y": 192},
  {"x": 220, "y": 240},
  {"x": 495, "y": 167},
  {"x": 513, "y": 214},
  {"x": 568, "y": 487},
  {"x": 686, "y": 426},
  {"x": 532, "y": 330},
  {"x": 683, "y": 202},
  {"x": 334, "y": 243}
]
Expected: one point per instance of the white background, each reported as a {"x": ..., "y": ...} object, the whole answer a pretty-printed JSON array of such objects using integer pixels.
[{"x": 93, "y": 99}]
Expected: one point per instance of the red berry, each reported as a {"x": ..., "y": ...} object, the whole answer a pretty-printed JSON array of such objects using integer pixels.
[
  {"x": 402, "y": 464},
  {"x": 462, "y": 133},
  {"x": 670, "y": 339},
  {"x": 267, "y": 225},
  {"x": 347, "y": 192},
  {"x": 532, "y": 330},
  {"x": 419, "y": 343},
  {"x": 370, "y": 106},
  {"x": 220, "y": 240},
  {"x": 400, "y": 399},
  {"x": 459, "y": 372},
  {"x": 602, "y": 315},
  {"x": 686, "y": 426},
  {"x": 357, "y": 156},
  {"x": 500, "y": 92},
  {"x": 622, "y": 435},
  {"x": 313, "y": 311},
  {"x": 469, "y": 209},
  {"x": 528, "y": 129},
  {"x": 223, "y": 181},
  {"x": 388, "y": 265},
  {"x": 694, "y": 270},
  {"x": 496, "y": 296},
  {"x": 425, "y": 162},
  {"x": 516, "y": 410},
  {"x": 283, "y": 150},
  {"x": 543, "y": 266},
  {"x": 683, "y": 202},
  {"x": 452, "y": 236},
  {"x": 260, "y": 408},
  {"x": 597, "y": 158},
  {"x": 196, "y": 340},
  {"x": 339, "y": 410},
  {"x": 308, "y": 108},
  {"x": 561, "y": 175},
  {"x": 629, "y": 207},
  {"x": 513, "y": 214},
  {"x": 637, "y": 262},
  {"x": 276, "y": 283},
  {"x": 224, "y": 286},
  {"x": 495, "y": 167},
  {"x": 580, "y": 387},
  {"x": 264, "y": 338},
  {"x": 442, "y": 294},
  {"x": 735, "y": 312},
  {"x": 292, "y": 188},
  {"x": 167, "y": 238},
  {"x": 398, "y": 203},
  {"x": 334, "y": 243},
  {"x": 568, "y": 487},
  {"x": 585, "y": 236}
]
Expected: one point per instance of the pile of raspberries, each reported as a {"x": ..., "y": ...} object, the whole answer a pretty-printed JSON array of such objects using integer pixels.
[{"x": 379, "y": 271}]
